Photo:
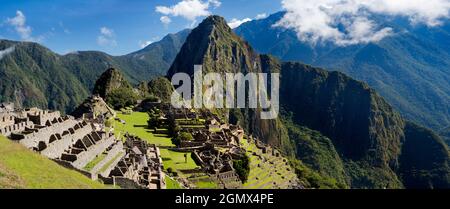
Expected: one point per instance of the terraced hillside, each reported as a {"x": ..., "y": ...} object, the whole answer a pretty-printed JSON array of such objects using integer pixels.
[
  {"x": 268, "y": 171},
  {"x": 21, "y": 168}
]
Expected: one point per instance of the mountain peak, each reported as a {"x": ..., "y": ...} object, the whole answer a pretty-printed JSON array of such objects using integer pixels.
[
  {"x": 110, "y": 80},
  {"x": 215, "y": 20},
  {"x": 214, "y": 45}
]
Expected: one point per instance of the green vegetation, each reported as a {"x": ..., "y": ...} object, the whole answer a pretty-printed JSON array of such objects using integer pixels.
[
  {"x": 22, "y": 168},
  {"x": 421, "y": 93},
  {"x": 172, "y": 184},
  {"x": 315, "y": 151},
  {"x": 204, "y": 182},
  {"x": 122, "y": 97},
  {"x": 136, "y": 124},
  {"x": 109, "y": 163},
  {"x": 183, "y": 136},
  {"x": 242, "y": 167},
  {"x": 177, "y": 161},
  {"x": 94, "y": 162},
  {"x": 161, "y": 88},
  {"x": 269, "y": 174}
]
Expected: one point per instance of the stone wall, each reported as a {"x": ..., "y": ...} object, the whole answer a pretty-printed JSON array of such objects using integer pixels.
[
  {"x": 100, "y": 146},
  {"x": 6, "y": 119},
  {"x": 61, "y": 143},
  {"x": 15, "y": 128},
  {"x": 41, "y": 134},
  {"x": 41, "y": 117},
  {"x": 116, "y": 149}
]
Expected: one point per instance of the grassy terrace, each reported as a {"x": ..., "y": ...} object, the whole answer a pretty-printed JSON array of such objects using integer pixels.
[
  {"x": 171, "y": 184},
  {"x": 136, "y": 124},
  {"x": 22, "y": 168},
  {"x": 267, "y": 174},
  {"x": 94, "y": 162}
]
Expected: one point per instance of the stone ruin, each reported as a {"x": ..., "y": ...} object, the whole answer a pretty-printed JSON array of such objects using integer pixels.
[
  {"x": 74, "y": 143},
  {"x": 94, "y": 109},
  {"x": 140, "y": 167},
  {"x": 219, "y": 164}
]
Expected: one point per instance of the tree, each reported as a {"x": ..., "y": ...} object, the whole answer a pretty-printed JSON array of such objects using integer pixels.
[
  {"x": 242, "y": 168},
  {"x": 121, "y": 98},
  {"x": 153, "y": 122},
  {"x": 183, "y": 136}
]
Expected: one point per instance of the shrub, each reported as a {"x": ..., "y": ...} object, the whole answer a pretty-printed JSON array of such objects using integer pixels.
[
  {"x": 242, "y": 167},
  {"x": 121, "y": 98}
]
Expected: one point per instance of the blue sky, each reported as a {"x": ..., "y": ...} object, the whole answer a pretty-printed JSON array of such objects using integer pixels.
[{"x": 114, "y": 26}]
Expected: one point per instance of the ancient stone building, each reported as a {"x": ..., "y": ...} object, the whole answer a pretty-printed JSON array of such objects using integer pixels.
[
  {"x": 75, "y": 143},
  {"x": 142, "y": 164}
]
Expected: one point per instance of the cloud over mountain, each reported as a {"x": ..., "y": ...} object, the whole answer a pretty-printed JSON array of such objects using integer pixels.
[
  {"x": 347, "y": 22},
  {"x": 188, "y": 9},
  {"x": 106, "y": 37},
  {"x": 6, "y": 52},
  {"x": 18, "y": 22}
]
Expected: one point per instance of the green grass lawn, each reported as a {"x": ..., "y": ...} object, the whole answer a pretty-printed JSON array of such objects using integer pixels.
[
  {"x": 206, "y": 185},
  {"x": 171, "y": 184},
  {"x": 176, "y": 160},
  {"x": 22, "y": 168},
  {"x": 136, "y": 124}
]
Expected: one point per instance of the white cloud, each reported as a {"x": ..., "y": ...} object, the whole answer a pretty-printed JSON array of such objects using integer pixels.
[
  {"x": 188, "y": 9},
  {"x": 7, "y": 51},
  {"x": 20, "y": 26},
  {"x": 260, "y": 16},
  {"x": 144, "y": 44},
  {"x": 320, "y": 20},
  {"x": 166, "y": 20},
  {"x": 106, "y": 32},
  {"x": 234, "y": 23},
  {"x": 106, "y": 37}
]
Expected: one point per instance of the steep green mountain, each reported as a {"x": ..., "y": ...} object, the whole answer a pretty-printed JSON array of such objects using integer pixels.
[
  {"x": 411, "y": 68},
  {"x": 32, "y": 75},
  {"x": 162, "y": 88},
  {"x": 334, "y": 124},
  {"x": 214, "y": 45},
  {"x": 112, "y": 79},
  {"x": 115, "y": 89}
]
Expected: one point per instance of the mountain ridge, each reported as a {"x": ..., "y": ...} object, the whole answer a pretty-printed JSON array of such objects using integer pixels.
[
  {"x": 409, "y": 68},
  {"x": 368, "y": 134},
  {"x": 78, "y": 71}
]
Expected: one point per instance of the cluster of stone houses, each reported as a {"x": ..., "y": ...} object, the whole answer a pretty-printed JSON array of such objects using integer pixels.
[
  {"x": 140, "y": 167},
  {"x": 214, "y": 145},
  {"x": 75, "y": 143}
]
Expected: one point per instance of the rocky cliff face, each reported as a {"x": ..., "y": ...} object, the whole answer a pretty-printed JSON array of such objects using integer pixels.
[
  {"x": 214, "y": 46},
  {"x": 369, "y": 143}
]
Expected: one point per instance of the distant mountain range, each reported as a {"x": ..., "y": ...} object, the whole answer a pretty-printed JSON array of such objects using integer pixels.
[
  {"x": 32, "y": 75},
  {"x": 411, "y": 68},
  {"x": 362, "y": 142}
]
